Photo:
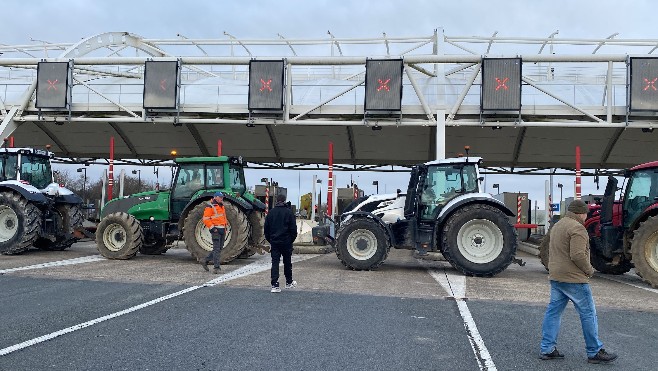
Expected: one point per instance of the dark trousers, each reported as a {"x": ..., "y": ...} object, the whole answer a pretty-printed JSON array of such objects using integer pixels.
[
  {"x": 217, "y": 245},
  {"x": 277, "y": 252}
]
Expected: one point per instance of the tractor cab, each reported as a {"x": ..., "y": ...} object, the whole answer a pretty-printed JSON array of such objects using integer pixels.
[
  {"x": 197, "y": 176},
  {"x": 434, "y": 184},
  {"x": 27, "y": 165},
  {"x": 641, "y": 192}
]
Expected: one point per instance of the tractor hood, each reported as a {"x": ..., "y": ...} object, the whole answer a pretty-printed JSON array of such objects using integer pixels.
[{"x": 142, "y": 205}]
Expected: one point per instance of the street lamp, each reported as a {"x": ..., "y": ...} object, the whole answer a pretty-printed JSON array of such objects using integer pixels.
[
  {"x": 84, "y": 181},
  {"x": 560, "y": 185},
  {"x": 376, "y": 183},
  {"x": 139, "y": 179},
  {"x": 497, "y": 186},
  {"x": 319, "y": 205}
]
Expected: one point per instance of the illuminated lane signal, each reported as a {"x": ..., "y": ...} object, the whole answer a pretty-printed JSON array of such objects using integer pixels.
[
  {"x": 266, "y": 85},
  {"x": 161, "y": 84},
  {"x": 501, "y": 84},
  {"x": 52, "y": 85},
  {"x": 383, "y": 85},
  {"x": 643, "y": 92}
]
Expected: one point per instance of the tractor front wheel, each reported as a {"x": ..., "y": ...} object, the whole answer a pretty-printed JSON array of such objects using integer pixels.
[
  {"x": 361, "y": 244},
  {"x": 119, "y": 236},
  {"x": 644, "y": 249}
]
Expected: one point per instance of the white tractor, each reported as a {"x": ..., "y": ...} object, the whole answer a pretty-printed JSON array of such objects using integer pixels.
[
  {"x": 34, "y": 210},
  {"x": 442, "y": 211}
]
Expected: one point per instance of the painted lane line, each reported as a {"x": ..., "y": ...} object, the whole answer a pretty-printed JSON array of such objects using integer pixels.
[
  {"x": 59, "y": 263},
  {"x": 259, "y": 265},
  {"x": 455, "y": 286},
  {"x": 618, "y": 280}
]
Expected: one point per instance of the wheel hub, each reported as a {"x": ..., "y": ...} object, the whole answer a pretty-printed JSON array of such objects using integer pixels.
[
  {"x": 480, "y": 241},
  {"x": 362, "y": 244},
  {"x": 8, "y": 223}
]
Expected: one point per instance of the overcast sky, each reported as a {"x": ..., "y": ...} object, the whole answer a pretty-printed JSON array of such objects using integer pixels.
[{"x": 71, "y": 20}]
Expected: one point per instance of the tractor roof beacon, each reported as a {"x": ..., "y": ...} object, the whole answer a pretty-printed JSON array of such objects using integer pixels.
[
  {"x": 149, "y": 222},
  {"x": 34, "y": 210},
  {"x": 442, "y": 211}
]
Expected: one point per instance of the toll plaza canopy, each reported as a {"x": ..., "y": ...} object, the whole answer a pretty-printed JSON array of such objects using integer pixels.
[{"x": 520, "y": 103}]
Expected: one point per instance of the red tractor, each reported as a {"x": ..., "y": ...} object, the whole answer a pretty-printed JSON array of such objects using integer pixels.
[{"x": 624, "y": 233}]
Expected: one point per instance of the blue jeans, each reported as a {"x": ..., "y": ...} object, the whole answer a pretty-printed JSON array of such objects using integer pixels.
[{"x": 580, "y": 295}]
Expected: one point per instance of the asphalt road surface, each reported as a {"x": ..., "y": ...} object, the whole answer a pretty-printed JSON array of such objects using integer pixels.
[{"x": 74, "y": 310}]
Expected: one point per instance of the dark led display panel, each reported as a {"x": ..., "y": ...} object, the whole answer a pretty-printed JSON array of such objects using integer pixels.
[
  {"x": 266, "y": 85},
  {"x": 161, "y": 84},
  {"x": 501, "y": 84},
  {"x": 52, "y": 84},
  {"x": 644, "y": 84},
  {"x": 383, "y": 85}
]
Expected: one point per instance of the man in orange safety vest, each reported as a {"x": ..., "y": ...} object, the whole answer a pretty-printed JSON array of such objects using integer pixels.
[{"x": 214, "y": 217}]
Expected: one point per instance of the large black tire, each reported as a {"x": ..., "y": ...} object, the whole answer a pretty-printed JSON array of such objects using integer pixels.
[
  {"x": 601, "y": 263},
  {"x": 256, "y": 234},
  {"x": 70, "y": 218},
  {"x": 361, "y": 244},
  {"x": 198, "y": 240},
  {"x": 644, "y": 249},
  {"x": 154, "y": 246},
  {"x": 479, "y": 240},
  {"x": 20, "y": 223},
  {"x": 119, "y": 236}
]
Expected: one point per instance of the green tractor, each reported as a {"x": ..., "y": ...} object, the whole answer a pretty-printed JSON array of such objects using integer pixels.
[{"x": 149, "y": 222}]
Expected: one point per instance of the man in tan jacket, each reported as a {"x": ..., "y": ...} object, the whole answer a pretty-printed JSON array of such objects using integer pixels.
[{"x": 569, "y": 272}]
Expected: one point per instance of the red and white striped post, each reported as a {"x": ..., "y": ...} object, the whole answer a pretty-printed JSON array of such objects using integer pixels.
[
  {"x": 578, "y": 192},
  {"x": 518, "y": 208},
  {"x": 110, "y": 180},
  {"x": 267, "y": 197},
  {"x": 330, "y": 191}
]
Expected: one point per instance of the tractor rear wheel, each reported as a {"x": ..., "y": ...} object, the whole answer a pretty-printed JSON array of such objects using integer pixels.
[
  {"x": 256, "y": 235},
  {"x": 119, "y": 236},
  {"x": 20, "y": 223},
  {"x": 70, "y": 218},
  {"x": 479, "y": 240},
  {"x": 197, "y": 236},
  {"x": 361, "y": 244},
  {"x": 644, "y": 249}
]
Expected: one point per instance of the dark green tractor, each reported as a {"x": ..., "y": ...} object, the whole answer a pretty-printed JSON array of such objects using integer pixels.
[{"x": 149, "y": 222}]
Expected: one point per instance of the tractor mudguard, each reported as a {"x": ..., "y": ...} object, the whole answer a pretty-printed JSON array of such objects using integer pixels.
[
  {"x": 448, "y": 210},
  {"x": 71, "y": 199},
  {"x": 37, "y": 197}
]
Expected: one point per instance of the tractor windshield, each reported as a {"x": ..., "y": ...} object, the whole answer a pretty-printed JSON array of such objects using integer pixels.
[
  {"x": 443, "y": 183},
  {"x": 36, "y": 171},
  {"x": 188, "y": 181},
  {"x": 641, "y": 192}
]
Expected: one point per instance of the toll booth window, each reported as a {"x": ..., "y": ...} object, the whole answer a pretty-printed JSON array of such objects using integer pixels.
[
  {"x": 188, "y": 181},
  {"x": 36, "y": 171},
  {"x": 8, "y": 165},
  {"x": 215, "y": 175},
  {"x": 236, "y": 175}
]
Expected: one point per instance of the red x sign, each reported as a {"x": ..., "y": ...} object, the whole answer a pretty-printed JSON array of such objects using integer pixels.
[
  {"x": 501, "y": 83},
  {"x": 53, "y": 84},
  {"x": 650, "y": 84},
  {"x": 163, "y": 85},
  {"x": 383, "y": 85},
  {"x": 266, "y": 85}
]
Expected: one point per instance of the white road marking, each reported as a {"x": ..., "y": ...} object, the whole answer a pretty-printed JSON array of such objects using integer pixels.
[
  {"x": 625, "y": 282},
  {"x": 60, "y": 263},
  {"x": 260, "y": 265},
  {"x": 455, "y": 286}
]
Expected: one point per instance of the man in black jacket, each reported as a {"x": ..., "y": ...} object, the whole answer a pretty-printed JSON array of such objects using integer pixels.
[{"x": 280, "y": 232}]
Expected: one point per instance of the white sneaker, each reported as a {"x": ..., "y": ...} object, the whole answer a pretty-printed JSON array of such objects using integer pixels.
[
  {"x": 276, "y": 289},
  {"x": 291, "y": 285}
]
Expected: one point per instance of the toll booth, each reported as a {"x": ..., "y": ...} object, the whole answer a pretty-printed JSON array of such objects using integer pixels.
[
  {"x": 514, "y": 202},
  {"x": 259, "y": 191},
  {"x": 345, "y": 197}
]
